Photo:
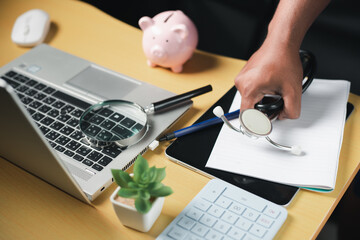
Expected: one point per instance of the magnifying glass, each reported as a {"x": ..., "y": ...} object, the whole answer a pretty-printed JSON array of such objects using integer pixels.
[
  {"x": 123, "y": 122},
  {"x": 256, "y": 123}
]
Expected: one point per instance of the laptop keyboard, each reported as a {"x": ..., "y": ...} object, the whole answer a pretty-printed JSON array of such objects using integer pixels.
[{"x": 57, "y": 114}]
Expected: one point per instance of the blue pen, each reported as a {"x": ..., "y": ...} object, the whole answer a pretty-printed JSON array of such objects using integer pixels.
[{"x": 199, "y": 126}]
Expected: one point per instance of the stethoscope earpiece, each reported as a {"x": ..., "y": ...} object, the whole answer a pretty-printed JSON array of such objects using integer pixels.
[
  {"x": 255, "y": 124},
  {"x": 296, "y": 150}
]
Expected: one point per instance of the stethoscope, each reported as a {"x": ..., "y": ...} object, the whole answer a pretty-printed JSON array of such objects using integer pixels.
[{"x": 256, "y": 123}]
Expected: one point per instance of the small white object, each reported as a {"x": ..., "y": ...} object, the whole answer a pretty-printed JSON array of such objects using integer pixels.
[
  {"x": 218, "y": 111},
  {"x": 31, "y": 28},
  {"x": 153, "y": 145},
  {"x": 296, "y": 150}
]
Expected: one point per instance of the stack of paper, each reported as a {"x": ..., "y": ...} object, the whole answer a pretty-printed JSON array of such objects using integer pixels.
[{"x": 318, "y": 131}]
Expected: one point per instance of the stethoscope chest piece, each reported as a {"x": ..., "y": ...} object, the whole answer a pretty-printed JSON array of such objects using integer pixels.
[{"x": 254, "y": 123}]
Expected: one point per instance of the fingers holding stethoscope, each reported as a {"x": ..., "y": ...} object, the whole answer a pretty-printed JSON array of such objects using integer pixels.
[{"x": 264, "y": 101}]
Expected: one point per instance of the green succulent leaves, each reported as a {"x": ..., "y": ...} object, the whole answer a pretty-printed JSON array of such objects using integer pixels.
[{"x": 143, "y": 186}]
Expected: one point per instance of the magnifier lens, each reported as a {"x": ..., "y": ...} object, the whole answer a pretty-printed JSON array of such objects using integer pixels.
[
  {"x": 255, "y": 122},
  {"x": 114, "y": 121}
]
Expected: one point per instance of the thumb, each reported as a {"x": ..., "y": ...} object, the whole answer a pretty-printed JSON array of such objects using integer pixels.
[{"x": 249, "y": 102}]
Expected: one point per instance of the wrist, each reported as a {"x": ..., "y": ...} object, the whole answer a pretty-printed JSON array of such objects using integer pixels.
[{"x": 282, "y": 36}]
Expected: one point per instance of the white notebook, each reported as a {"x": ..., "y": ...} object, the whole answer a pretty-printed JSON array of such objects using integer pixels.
[{"x": 319, "y": 132}]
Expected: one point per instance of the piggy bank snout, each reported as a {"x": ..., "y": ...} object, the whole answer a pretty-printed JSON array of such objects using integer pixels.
[{"x": 158, "y": 52}]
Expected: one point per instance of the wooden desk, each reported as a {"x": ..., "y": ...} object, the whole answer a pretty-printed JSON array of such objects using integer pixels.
[{"x": 32, "y": 209}]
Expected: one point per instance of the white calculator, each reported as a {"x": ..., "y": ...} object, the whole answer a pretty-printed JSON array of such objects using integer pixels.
[{"x": 222, "y": 211}]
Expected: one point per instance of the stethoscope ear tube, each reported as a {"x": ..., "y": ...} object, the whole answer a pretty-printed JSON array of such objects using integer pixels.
[
  {"x": 271, "y": 105},
  {"x": 308, "y": 61}
]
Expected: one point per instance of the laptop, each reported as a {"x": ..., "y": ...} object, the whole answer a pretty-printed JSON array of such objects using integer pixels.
[{"x": 43, "y": 94}]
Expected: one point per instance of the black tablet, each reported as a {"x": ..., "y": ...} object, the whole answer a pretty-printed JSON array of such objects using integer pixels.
[{"x": 193, "y": 151}]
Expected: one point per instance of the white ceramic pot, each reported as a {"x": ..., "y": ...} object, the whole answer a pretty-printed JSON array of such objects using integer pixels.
[{"x": 129, "y": 217}]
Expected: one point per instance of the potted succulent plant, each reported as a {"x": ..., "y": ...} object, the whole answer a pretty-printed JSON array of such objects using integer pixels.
[{"x": 139, "y": 197}]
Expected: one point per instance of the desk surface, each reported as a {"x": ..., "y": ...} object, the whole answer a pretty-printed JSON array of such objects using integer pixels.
[{"x": 32, "y": 209}]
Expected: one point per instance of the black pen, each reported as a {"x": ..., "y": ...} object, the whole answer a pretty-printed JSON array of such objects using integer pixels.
[{"x": 198, "y": 126}]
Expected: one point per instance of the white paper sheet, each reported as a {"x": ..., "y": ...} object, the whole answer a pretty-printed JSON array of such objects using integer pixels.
[{"x": 318, "y": 131}]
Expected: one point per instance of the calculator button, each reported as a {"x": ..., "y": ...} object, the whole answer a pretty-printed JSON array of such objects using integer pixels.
[
  {"x": 265, "y": 221},
  {"x": 229, "y": 217},
  {"x": 202, "y": 205},
  {"x": 216, "y": 211},
  {"x": 237, "y": 208},
  {"x": 177, "y": 233},
  {"x": 200, "y": 229},
  {"x": 213, "y": 235},
  {"x": 223, "y": 202},
  {"x": 272, "y": 212},
  {"x": 214, "y": 193},
  {"x": 236, "y": 233},
  {"x": 243, "y": 224},
  {"x": 222, "y": 226},
  {"x": 194, "y": 214},
  {"x": 186, "y": 223},
  {"x": 208, "y": 220},
  {"x": 258, "y": 231},
  {"x": 251, "y": 214},
  {"x": 193, "y": 237}
]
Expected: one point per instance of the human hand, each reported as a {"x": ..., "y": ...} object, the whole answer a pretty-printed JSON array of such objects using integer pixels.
[{"x": 276, "y": 70}]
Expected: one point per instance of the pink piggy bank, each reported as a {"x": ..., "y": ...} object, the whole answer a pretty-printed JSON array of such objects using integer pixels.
[{"x": 169, "y": 39}]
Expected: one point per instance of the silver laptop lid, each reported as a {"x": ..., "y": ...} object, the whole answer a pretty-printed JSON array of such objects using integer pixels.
[
  {"x": 22, "y": 143},
  {"x": 91, "y": 83}
]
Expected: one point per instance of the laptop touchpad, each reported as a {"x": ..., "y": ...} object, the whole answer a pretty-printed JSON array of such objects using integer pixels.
[{"x": 103, "y": 83}]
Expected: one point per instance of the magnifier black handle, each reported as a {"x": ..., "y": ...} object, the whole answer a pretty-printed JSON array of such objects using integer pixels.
[
  {"x": 182, "y": 98},
  {"x": 272, "y": 106}
]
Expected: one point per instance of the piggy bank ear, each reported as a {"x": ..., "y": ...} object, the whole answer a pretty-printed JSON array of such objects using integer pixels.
[
  {"x": 181, "y": 31},
  {"x": 145, "y": 22}
]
